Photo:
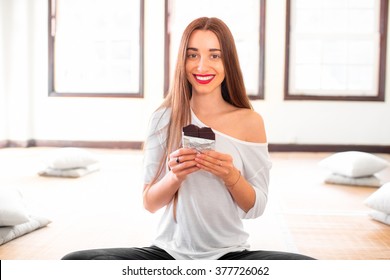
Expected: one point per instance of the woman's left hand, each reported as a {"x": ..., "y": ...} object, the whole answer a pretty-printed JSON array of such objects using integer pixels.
[{"x": 219, "y": 164}]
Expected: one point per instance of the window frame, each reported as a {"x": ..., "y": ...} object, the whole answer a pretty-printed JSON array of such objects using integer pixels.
[
  {"x": 51, "y": 67},
  {"x": 167, "y": 66},
  {"x": 380, "y": 96}
]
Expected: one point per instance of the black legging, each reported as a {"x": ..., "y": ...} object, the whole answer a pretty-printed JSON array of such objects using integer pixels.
[{"x": 155, "y": 253}]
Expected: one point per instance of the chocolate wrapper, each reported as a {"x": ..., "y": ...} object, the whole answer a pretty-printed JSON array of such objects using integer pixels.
[
  {"x": 198, "y": 138},
  {"x": 199, "y": 144}
]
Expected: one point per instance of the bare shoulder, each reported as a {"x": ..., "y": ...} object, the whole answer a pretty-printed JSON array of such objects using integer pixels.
[
  {"x": 241, "y": 123},
  {"x": 252, "y": 124}
]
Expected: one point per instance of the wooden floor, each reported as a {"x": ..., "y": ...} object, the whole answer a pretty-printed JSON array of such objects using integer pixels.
[{"x": 104, "y": 209}]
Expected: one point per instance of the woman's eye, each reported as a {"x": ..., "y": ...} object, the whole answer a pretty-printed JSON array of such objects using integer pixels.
[
  {"x": 215, "y": 56},
  {"x": 192, "y": 55}
]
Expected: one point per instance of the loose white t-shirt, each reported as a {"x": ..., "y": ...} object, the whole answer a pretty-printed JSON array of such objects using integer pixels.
[{"x": 208, "y": 221}]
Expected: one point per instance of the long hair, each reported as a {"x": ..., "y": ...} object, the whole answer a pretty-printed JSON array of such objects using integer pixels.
[{"x": 179, "y": 94}]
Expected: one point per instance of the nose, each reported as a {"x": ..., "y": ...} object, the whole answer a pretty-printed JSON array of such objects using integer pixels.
[{"x": 202, "y": 64}]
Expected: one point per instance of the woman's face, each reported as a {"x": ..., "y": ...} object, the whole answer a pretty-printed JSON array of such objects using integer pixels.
[{"x": 204, "y": 66}]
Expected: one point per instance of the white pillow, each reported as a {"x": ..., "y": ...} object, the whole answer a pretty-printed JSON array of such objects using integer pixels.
[
  {"x": 380, "y": 199},
  {"x": 380, "y": 216},
  {"x": 67, "y": 158},
  {"x": 369, "y": 181},
  {"x": 12, "y": 209},
  {"x": 354, "y": 164},
  {"x": 9, "y": 233},
  {"x": 70, "y": 173}
]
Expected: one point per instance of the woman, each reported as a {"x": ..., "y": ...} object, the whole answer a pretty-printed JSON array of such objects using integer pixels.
[{"x": 205, "y": 194}]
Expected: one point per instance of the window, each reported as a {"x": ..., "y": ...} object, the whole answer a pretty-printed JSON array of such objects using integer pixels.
[
  {"x": 336, "y": 49},
  {"x": 95, "y": 48},
  {"x": 245, "y": 19}
]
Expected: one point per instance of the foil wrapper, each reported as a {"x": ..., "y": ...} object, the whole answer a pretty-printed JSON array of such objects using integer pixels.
[
  {"x": 198, "y": 138},
  {"x": 199, "y": 144}
]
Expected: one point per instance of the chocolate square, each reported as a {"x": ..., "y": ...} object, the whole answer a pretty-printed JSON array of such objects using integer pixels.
[{"x": 199, "y": 132}]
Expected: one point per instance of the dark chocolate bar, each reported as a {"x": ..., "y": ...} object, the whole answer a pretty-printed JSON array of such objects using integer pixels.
[{"x": 199, "y": 132}]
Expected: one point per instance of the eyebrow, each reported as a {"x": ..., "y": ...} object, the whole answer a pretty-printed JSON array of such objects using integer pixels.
[{"x": 196, "y": 49}]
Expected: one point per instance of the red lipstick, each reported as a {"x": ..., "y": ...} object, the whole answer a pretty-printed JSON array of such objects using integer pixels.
[{"x": 204, "y": 79}]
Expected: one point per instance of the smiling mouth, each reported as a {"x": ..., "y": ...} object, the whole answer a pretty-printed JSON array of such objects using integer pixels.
[{"x": 204, "y": 79}]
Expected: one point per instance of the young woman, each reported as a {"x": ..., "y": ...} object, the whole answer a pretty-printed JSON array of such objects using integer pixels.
[{"x": 205, "y": 194}]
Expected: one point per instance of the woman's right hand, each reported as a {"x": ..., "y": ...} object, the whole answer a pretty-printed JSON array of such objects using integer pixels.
[{"x": 182, "y": 163}]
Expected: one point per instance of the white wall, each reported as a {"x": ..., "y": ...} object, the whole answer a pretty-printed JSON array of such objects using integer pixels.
[
  {"x": 3, "y": 122},
  {"x": 31, "y": 114}
]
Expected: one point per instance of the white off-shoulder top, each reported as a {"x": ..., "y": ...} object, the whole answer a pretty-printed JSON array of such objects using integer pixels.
[{"x": 208, "y": 221}]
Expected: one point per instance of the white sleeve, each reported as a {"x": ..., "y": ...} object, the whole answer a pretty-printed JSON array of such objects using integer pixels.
[
  {"x": 256, "y": 167},
  {"x": 155, "y": 143}
]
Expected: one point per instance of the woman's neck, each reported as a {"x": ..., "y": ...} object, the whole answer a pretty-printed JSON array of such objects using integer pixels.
[{"x": 207, "y": 105}]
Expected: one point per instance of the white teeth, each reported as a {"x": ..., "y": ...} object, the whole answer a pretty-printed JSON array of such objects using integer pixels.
[{"x": 204, "y": 78}]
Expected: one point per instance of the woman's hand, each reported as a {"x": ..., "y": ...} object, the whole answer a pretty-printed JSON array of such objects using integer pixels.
[
  {"x": 220, "y": 165},
  {"x": 182, "y": 163}
]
